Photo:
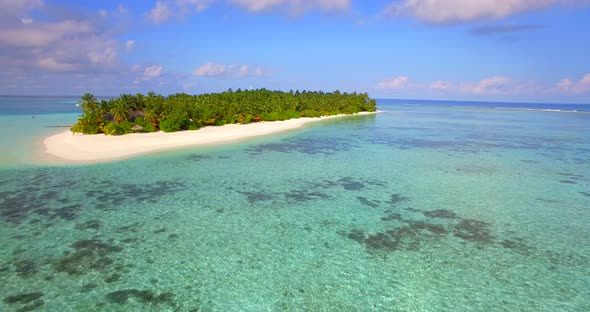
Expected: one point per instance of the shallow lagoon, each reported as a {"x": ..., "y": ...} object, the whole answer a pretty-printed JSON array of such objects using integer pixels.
[{"x": 418, "y": 208}]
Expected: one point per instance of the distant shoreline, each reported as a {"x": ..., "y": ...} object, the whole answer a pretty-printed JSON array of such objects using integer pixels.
[{"x": 70, "y": 148}]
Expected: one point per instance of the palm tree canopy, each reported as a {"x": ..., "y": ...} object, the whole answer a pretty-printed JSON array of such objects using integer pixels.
[{"x": 89, "y": 103}]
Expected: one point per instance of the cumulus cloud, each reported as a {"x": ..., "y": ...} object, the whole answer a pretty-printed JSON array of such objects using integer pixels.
[
  {"x": 160, "y": 13},
  {"x": 50, "y": 63},
  {"x": 198, "y": 5},
  {"x": 166, "y": 10},
  {"x": 293, "y": 6},
  {"x": 38, "y": 35},
  {"x": 18, "y": 6},
  {"x": 453, "y": 11},
  {"x": 118, "y": 11},
  {"x": 152, "y": 72},
  {"x": 214, "y": 70},
  {"x": 75, "y": 44},
  {"x": 26, "y": 20},
  {"x": 394, "y": 83},
  {"x": 130, "y": 44},
  {"x": 567, "y": 85},
  {"x": 492, "y": 85},
  {"x": 495, "y": 85}
]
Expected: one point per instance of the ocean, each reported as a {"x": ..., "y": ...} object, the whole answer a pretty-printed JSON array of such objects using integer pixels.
[{"x": 428, "y": 206}]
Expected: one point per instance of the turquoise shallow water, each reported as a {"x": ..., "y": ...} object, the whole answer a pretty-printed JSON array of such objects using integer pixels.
[{"x": 421, "y": 208}]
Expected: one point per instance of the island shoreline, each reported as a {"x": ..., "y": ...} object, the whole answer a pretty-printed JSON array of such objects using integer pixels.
[{"x": 67, "y": 148}]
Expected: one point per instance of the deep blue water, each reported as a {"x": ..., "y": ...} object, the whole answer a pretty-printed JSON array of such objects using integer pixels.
[{"x": 492, "y": 105}]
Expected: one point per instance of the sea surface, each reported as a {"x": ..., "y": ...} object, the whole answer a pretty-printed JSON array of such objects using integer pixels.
[{"x": 428, "y": 206}]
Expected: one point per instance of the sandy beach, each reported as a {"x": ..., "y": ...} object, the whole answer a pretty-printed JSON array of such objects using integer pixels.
[{"x": 79, "y": 148}]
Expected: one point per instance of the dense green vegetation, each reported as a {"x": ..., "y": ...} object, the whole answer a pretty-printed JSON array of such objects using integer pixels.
[{"x": 148, "y": 113}]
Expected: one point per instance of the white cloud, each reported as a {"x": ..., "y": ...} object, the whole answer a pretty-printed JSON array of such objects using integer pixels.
[
  {"x": 566, "y": 85},
  {"x": 17, "y": 6},
  {"x": 160, "y": 13},
  {"x": 452, "y": 11},
  {"x": 210, "y": 70},
  {"x": 178, "y": 9},
  {"x": 168, "y": 9},
  {"x": 492, "y": 85},
  {"x": 495, "y": 85},
  {"x": 52, "y": 64},
  {"x": 130, "y": 44},
  {"x": 293, "y": 6},
  {"x": 152, "y": 72},
  {"x": 394, "y": 83},
  {"x": 121, "y": 9},
  {"x": 441, "y": 85},
  {"x": 117, "y": 12},
  {"x": 36, "y": 35},
  {"x": 214, "y": 70},
  {"x": 104, "y": 55},
  {"x": 71, "y": 45},
  {"x": 198, "y": 5}
]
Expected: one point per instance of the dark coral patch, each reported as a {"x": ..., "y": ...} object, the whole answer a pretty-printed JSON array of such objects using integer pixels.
[
  {"x": 13, "y": 209},
  {"x": 408, "y": 237},
  {"x": 112, "y": 278},
  {"x": 133, "y": 228},
  {"x": 88, "y": 287},
  {"x": 396, "y": 199},
  {"x": 23, "y": 298},
  {"x": 351, "y": 184},
  {"x": 197, "y": 157},
  {"x": 88, "y": 225},
  {"x": 568, "y": 182},
  {"x": 430, "y": 227},
  {"x": 392, "y": 216},
  {"x": 144, "y": 296},
  {"x": 547, "y": 200},
  {"x": 440, "y": 213},
  {"x": 89, "y": 255},
  {"x": 68, "y": 213},
  {"x": 303, "y": 196},
  {"x": 357, "y": 235},
  {"x": 368, "y": 202},
  {"x": 473, "y": 230},
  {"x": 158, "y": 231},
  {"x": 255, "y": 197},
  {"x": 31, "y": 307},
  {"x": 25, "y": 268},
  {"x": 310, "y": 146},
  {"x": 516, "y": 245},
  {"x": 117, "y": 195}
]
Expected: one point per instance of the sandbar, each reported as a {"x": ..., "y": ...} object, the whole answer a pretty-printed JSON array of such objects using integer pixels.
[{"x": 68, "y": 147}]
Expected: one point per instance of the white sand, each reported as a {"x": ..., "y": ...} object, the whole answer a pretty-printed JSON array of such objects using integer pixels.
[{"x": 79, "y": 148}]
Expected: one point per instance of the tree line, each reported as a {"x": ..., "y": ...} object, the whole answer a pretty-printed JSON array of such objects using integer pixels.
[{"x": 149, "y": 113}]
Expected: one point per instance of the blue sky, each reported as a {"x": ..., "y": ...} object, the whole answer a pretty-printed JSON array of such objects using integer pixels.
[{"x": 488, "y": 50}]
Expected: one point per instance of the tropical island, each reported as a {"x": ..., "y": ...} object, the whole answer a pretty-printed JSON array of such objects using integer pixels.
[
  {"x": 151, "y": 113},
  {"x": 131, "y": 125}
]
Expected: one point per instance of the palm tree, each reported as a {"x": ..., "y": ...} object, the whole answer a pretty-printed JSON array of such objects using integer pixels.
[
  {"x": 103, "y": 108},
  {"x": 88, "y": 103},
  {"x": 120, "y": 110}
]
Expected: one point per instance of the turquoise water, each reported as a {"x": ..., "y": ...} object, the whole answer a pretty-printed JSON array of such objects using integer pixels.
[{"x": 420, "y": 208}]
